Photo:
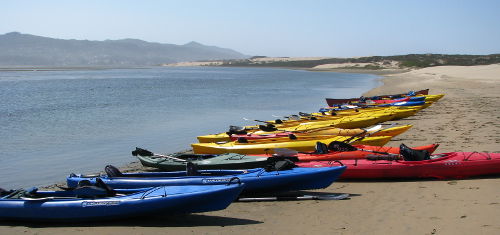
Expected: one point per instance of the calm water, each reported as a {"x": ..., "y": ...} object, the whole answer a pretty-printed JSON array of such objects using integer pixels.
[{"x": 57, "y": 122}]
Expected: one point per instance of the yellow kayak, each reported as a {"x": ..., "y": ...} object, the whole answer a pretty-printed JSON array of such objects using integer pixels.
[
  {"x": 392, "y": 131},
  {"x": 267, "y": 146},
  {"x": 348, "y": 122},
  {"x": 345, "y": 122},
  {"x": 318, "y": 117},
  {"x": 354, "y": 121},
  {"x": 331, "y": 131},
  {"x": 433, "y": 98}
]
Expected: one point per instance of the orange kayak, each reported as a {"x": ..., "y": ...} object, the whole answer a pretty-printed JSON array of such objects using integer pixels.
[{"x": 365, "y": 150}]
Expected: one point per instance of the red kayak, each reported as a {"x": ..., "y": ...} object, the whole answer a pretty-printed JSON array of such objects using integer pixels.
[
  {"x": 359, "y": 154},
  {"x": 440, "y": 166}
]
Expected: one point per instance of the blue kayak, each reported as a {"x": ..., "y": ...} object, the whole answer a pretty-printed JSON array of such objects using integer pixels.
[
  {"x": 416, "y": 102},
  {"x": 417, "y": 98},
  {"x": 255, "y": 180},
  {"x": 89, "y": 203},
  {"x": 405, "y": 103}
]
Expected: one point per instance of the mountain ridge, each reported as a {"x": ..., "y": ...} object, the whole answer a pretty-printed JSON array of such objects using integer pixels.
[{"x": 18, "y": 49}]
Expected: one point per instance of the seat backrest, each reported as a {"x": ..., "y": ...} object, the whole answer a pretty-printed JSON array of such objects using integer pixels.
[
  {"x": 100, "y": 184},
  {"x": 410, "y": 154},
  {"x": 338, "y": 146},
  {"x": 112, "y": 171},
  {"x": 321, "y": 148},
  {"x": 280, "y": 165},
  {"x": 191, "y": 169},
  {"x": 268, "y": 127},
  {"x": 238, "y": 130}
]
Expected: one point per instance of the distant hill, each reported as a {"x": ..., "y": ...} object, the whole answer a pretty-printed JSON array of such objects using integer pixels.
[
  {"x": 370, "y": 62},
  {"x": 18, "y": 49}
]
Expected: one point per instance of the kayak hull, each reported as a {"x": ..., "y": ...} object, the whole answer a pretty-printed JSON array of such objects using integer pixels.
[
  {"x": 161, "y": 200},
  {"x": 225, "y": 161},
  {"x": 393, "y": 131},
  {"x": 266, "y": 146},
  {"x": 454, "y": 165},
  {"x": 255, "y": 180}
]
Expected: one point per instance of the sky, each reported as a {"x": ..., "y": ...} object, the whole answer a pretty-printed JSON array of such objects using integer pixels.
[{"x": 334, "y": 28}]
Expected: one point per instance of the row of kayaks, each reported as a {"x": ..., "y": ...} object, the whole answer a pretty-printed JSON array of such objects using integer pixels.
[
  {"x": 301, "y": 132},
  {"x": 119, "y": 195},
  {"x": 299, "y": 152},
  {"x": 363, "y": 162},
  {"x": 393, "y": 98},
  {"x": 176, "y": 162}
]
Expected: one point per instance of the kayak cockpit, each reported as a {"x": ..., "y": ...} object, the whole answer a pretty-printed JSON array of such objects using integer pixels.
[{"x": 84, "y": 190}]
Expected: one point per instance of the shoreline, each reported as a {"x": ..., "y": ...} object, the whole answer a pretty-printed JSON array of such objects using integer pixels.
[{"x": 466, "y": 119}]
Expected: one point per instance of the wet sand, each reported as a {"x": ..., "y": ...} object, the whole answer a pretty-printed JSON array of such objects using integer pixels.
[{"x": 466, "y": 119}]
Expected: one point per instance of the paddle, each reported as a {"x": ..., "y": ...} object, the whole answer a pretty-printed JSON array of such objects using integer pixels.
[
  {"x": 350, "y": 140},
  {"x": 147, "y": 153},
  {"x": 338, "y": 196},
  {"x": 246, "y": 119},
  {"x": 291, "y": 117},
  {"x": 310, "y": 115}
]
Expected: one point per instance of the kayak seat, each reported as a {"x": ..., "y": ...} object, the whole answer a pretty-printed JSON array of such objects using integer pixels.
[
  {"x": 294, "y": 117},
  {"x": 242, "y": 140},
  {"x": 238, "y": 130},
  {"x": 338, "y": 146},
  {"x": 85, "y": 189},
  {"x": 279, "y": 165},
  {"x": 83, "y": 183},
  {"x": 192, "y": 169},
  {"x": 321, "y": 148},
  {"x": 112, "y": 171},
  {"x": 268, "y": 127},
  {"x": 410, "y": 154},
  {"x": 90, "y": 191},
  {"x": 110, "y": 191},
  {"x": 278, "y": 121}
]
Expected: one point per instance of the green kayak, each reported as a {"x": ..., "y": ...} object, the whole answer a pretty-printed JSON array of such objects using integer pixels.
[{"x": 177, "y": 162}]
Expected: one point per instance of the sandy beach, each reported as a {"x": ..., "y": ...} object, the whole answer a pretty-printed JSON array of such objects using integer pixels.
[{"x": 466, "y": 119}]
